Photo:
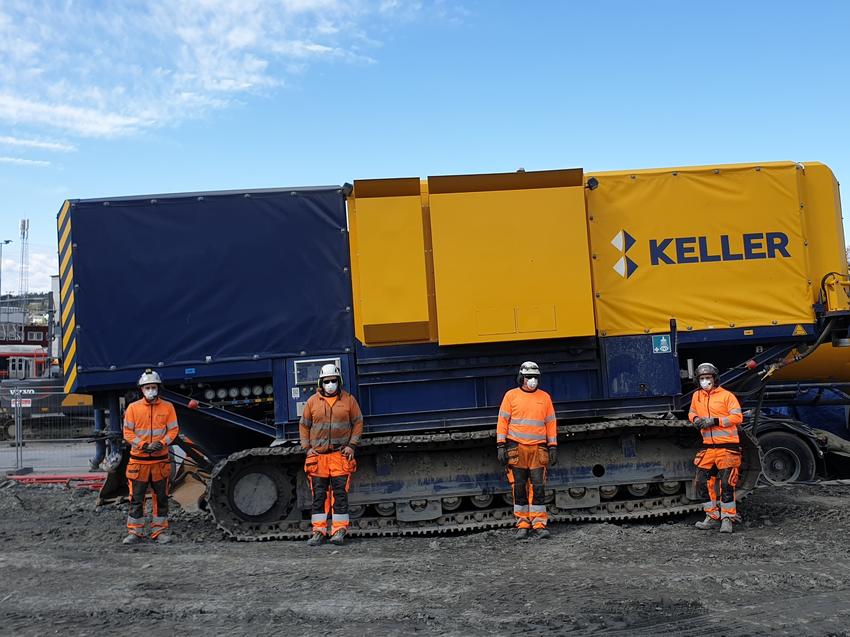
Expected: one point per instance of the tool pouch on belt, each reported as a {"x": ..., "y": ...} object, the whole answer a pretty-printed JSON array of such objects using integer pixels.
[
  {"x": 698, "y": 458},
  {"x": 513, "y": 455},
  {"x": 160, "y": 471},
  {"x": 149, "y": 472},
  {"x": 311, "y": 465},
  {"x": 729, "y": 459},
  {"x": 134, "y": 472},
  {"x": 543, "y": 455}
]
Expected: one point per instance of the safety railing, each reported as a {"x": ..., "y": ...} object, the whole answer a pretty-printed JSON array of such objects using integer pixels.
[{"x": 44, "y": 431}]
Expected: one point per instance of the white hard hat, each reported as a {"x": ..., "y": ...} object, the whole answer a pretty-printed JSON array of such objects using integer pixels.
[
  {"x": 329, "y": 371},
  {"x": 529, "y": 368},
  {"x": 704, "y": 369},
  {"x": 149, "y": 377}
]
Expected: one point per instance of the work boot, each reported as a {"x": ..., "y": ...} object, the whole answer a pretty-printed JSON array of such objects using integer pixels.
[
  {"x": 316, "y": 540},
  {"x": 521, "y": 534},
  {"x": 541, "y": 534},
  {"x": 708, "y": 524},
  {"x": 726, "y": 525},
  {"x": 131, "y": 538},
  {"x": 163, "y": 538},
  {"x": 338, "y": 538}
]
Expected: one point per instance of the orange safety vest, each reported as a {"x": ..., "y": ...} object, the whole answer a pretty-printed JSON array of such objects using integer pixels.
[
  {"x": 527, "y": 417},
  {"x": 328, "y": 425},
  {"x": 721, "y": 404},
  {"x": 146, "y": 422}
]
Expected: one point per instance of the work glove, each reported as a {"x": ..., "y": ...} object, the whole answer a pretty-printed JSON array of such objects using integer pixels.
[
  {"x": 502, "y": 454},
  {"x": 347, "y": 452},
  {"x": 702, "y": 423},
  {"x": 154, "y": 447},
  {"x": 144, "y": 447},
  {"x": 553, "y": 456}
]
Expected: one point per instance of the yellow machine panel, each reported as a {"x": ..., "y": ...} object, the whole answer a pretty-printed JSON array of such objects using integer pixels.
[
  {"x": 713, "y": 247},
  {"x": 550, "y": 254},
  {"x": 511, "y": 259},
  {"x": 824, "y": 230},
  {"x": 827, "y": 364},
  {"x": 388, "y": 261}
]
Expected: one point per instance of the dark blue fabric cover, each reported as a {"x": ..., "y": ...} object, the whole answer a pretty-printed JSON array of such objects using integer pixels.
[{"x": 226, "y": 276}]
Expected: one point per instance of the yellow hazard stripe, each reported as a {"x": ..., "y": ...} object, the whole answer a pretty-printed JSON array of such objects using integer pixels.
[
  {"x": 67, "y": 285},
  {"x": 65, "y": 261},
  {"x": 70, "y": 380},
  {"x": 66, "y": 296},
  {"x": 68, "y": 333},
  {"x": 67, "y": 309},
  {"x": 63, "y": 239},
  {"x": 69, "y": 357},
  {"x": 63, "y": 214}
]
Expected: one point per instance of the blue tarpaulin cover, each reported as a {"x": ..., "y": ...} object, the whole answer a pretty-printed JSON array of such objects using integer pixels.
[{"x": 220, "y": 275}]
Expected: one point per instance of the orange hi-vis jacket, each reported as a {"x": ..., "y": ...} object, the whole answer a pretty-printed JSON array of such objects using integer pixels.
[
  {"x": 527, "y": 417},
  {"x": 146, "y": 422},
  {"x": 330, "y": 424},
  {"x": 723, "y": 405}
]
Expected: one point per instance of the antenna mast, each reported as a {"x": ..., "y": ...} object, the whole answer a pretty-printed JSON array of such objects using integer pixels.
[{"x": 25, "y": 279}]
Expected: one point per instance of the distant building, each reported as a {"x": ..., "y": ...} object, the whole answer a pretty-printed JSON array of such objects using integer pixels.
[
  {"x": 28, "y": 327},
  {"x": 11, "y": 334},
  {"x": 55, "y": 348},
  {"x": 11, "y": 315}
]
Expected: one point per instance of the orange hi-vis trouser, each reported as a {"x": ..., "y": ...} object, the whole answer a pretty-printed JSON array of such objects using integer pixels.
[
  {"x": 141, "y": 476},
  {"x": 329, "y": 475},
  {"x": 716, "y": 477},
  {"x": 527, "y": 475}
]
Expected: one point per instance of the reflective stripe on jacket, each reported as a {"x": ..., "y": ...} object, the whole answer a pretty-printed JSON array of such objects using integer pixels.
[
  {"x": 330, "y": 425},
  {"x": 527, "y": 417},
  {"x": 723, "y": 405},
  {"x": 146, "y": 422}
]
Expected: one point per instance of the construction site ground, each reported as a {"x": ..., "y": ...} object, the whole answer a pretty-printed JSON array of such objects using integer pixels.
[{"x": 785, "y": 570}]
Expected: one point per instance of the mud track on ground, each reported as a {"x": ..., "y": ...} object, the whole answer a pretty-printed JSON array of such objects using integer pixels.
[{"x": 786, "y": 570}]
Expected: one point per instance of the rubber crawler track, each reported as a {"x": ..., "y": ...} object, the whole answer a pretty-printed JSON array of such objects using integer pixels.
[{"x": 476, "y": 520}]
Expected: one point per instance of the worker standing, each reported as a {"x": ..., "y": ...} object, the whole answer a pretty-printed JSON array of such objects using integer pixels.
[
  {"x": 527, "y": 443},
  {"x": 150, "y": 427},
  {"x": 330, "y": 428},
  {"x": 716, "y": 412}
]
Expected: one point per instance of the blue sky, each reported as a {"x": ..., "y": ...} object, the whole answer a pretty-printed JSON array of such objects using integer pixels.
[{"x": 106, "y": 98}]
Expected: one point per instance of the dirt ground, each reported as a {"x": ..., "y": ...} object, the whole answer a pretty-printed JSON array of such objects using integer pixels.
[{"x": 786, "y": 570}]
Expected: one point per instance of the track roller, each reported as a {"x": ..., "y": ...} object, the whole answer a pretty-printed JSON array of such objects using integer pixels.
[{"x": 481, "y": 501}]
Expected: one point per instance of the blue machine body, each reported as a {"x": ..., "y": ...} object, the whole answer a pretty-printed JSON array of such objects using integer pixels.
[{"x": 221, "y": 287}]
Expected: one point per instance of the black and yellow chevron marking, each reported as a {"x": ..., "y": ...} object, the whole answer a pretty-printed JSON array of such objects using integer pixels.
[{"x": 66, "y": 299}]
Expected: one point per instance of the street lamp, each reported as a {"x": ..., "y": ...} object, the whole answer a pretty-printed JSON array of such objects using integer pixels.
[{"x": 2, "y": 243}]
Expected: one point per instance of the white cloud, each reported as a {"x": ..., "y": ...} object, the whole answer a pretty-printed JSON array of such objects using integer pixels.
[
  {"x": 43, "y": 263},
  {"x": 111, "y": 69},
  {"x": 23, "y": 162},
  {"x": 80, "y": 120},
  {"x": 35, "y": 143}
]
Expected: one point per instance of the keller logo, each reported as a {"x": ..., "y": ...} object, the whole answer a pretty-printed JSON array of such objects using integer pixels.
[
  {"x": 702, "y": 249},
  {"x": 705, "y": 249},
  {"x": 623, "y": 241}
]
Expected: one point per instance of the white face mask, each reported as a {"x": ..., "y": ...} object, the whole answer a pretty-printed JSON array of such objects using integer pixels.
[
  {"x": 531, "y": 383},
  {"x": 150, "y": 393},
  {"x": 706, "y": 383},
  {"x": 330, "y": 388}
]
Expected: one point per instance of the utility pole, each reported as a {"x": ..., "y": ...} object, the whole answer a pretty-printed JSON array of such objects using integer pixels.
[
  {"x": 2, "y": 243},
  {"x": 4, "y": 317},
  {"x": 25, "y": 280}
]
